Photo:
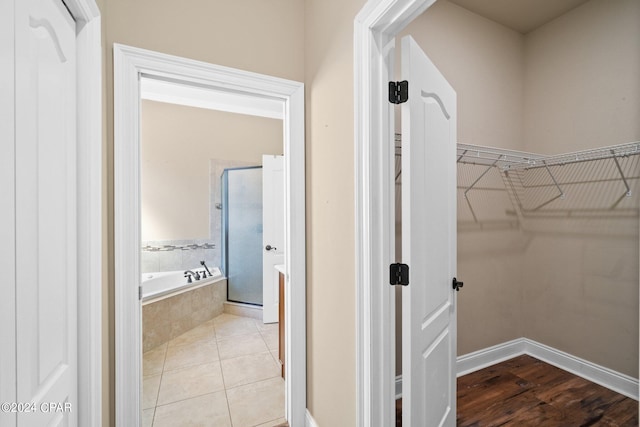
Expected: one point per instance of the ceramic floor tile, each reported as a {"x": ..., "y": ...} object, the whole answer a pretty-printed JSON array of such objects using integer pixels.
[
  {"x": 190, "y": 382},
  {"x": 241, "y": 345},
  {"x": 150, "y": 387},
  {"x": 272, "y": 339},
  {"x": 248, "y": 369},
  {"x": 210, "y": 410},
  {"x": 201, "y": 333},
  {"x": 274, "y": 353},
  {"x": 153, "y": 361},
  {"x": 228, "y": 325},
  {"x": 267, "y": 327},
  {"x": 256, "y": 403},
  {"x": 275, "y": 423},
  {"x": 191, "y": 354},
  {"x": 147, "y": 417}
]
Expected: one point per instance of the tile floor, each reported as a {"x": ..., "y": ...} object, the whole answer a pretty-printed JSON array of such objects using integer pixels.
[{"x": 221, "y": 373}]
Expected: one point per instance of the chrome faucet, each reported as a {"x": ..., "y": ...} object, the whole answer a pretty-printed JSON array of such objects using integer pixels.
[{"x": 190, "y": 273}]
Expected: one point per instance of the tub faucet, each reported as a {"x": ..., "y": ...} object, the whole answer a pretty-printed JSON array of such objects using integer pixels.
[
  {"x": 206, "y": 268},
  {"x": 190, "y": 273}
]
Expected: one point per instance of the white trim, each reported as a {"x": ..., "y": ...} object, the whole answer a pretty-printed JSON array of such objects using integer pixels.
[
  {"x": 616, "y": 381},
  {"x": 195, "y": 96},
  {"x": 472, "y": 362},
  {"x": 374, "y": 30},
  {"x": 89, "y": 215},
  {"x": 308, "y": 420},
  {"x": 129, "y": 64}
]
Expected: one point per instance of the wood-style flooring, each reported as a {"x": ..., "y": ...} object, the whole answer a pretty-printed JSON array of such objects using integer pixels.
[{"x": 525, "y": 391}]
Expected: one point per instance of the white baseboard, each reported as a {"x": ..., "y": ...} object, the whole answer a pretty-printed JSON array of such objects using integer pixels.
[
  {"x": 620, "y": 383},
  {"x": 308, "y": 420},
  {"x": 481, "y": 359}
]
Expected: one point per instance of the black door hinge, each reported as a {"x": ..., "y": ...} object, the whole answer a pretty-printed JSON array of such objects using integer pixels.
[
  {"x": 398, "y": 92},
  {"x": 399, "y": 274}
]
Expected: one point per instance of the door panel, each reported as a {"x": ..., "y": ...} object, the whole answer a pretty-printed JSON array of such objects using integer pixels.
[
  {"x": 7, "y": 213},
  {"x": 46, "y": 288},
  {"x": 428, "y": 243},
  {"x": 273, "y": 232}
]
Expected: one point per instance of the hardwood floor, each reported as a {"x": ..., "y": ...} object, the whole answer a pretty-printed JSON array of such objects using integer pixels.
[{"x": 525, "y": 391}]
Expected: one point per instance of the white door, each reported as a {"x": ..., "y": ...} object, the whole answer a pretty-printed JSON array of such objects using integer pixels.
[
  {"x": 45, "y": 180},
  {"x": 428, "y": 243},
  {"x": 273, "y": 222}
]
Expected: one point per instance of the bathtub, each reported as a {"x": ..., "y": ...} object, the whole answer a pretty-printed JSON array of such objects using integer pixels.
[
  {"x": 171, "y": 306},
  {"x": 156, "y": 286}
]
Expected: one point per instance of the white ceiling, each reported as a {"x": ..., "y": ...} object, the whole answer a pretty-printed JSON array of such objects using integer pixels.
[{"x": 520, "y": 15}]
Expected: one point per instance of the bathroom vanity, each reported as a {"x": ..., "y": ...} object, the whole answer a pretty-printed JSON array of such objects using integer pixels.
[{"x": 281, "y": 332}]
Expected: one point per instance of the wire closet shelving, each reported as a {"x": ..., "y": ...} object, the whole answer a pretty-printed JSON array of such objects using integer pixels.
[{"x": 500, "y": 187}]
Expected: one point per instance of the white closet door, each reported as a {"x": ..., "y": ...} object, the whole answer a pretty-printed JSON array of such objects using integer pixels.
[
  {"x": 428, "y": 243},
  {"x": 46, "y": 288},
  {"x": 7, "y": 214}
]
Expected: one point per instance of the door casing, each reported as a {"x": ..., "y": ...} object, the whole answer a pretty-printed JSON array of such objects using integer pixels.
[
  {"x": 130, "y": 64},
  {"x": 375, "y": 28}
]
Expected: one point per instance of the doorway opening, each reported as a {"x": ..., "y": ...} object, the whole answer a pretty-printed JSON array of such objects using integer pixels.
[
  {"x": 505, "y": 210},
  {"x": 215, "y": 88}
]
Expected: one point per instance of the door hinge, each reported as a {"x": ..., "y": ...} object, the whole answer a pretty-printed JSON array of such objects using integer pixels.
[
  {"x": 399, "y": 274},
  {"x": 139, "y": 293},
  {"x": 398, "y": 92}
]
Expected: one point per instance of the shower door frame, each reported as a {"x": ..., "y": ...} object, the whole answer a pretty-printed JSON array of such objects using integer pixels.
[
  {"x": 224, "y": 241},
  {"x": 130, "y": 65}
]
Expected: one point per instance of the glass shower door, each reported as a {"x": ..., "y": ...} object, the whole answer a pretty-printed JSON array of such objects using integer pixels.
[{"x": 242, "y": 233}]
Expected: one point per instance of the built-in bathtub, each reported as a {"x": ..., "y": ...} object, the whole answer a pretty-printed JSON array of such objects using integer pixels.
[
  {"x": 165, "y": 284},
  {"x": 171, "y": 306}
]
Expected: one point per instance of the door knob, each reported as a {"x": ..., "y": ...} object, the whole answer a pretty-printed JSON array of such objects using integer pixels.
[
  {"x": 457, "y": 285},
  {"x": 269, "y": 247}
]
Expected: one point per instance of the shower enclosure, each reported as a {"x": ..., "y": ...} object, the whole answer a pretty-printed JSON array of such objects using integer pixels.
[{"x": 242, "y": 233}]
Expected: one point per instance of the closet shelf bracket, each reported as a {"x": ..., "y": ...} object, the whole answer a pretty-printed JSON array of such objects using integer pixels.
[
  {"x": 627, "y": 193},
  {"x": 481, "y": 176},
  {"x": 559, "y": 196}
]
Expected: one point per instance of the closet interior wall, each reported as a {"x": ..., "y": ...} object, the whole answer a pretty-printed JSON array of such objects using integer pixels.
[{"x": 561, "y": 270}]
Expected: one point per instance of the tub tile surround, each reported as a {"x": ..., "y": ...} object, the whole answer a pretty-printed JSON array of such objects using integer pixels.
[
  {"x": 220, "y": 373},
  {"x": 184, "y": 256},
  {"x": 169, "y": 318}
]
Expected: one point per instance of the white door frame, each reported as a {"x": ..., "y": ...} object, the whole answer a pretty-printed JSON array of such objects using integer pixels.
[
  {"x": 375, "y": 28},
  {"x": 129, "y": 64},
  {"x": 89, "y": 210}
]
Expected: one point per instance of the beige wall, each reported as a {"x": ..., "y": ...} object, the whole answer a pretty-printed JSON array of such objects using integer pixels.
[
  {"x": 331, "y": 305},
  {"x": 177, "y": 145},
  {"x": 260, "y": 36},
  {"x": 581, "y": 80},
  {"x": 582, "y": 91},
  {"x": 484, "y": 62}
]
